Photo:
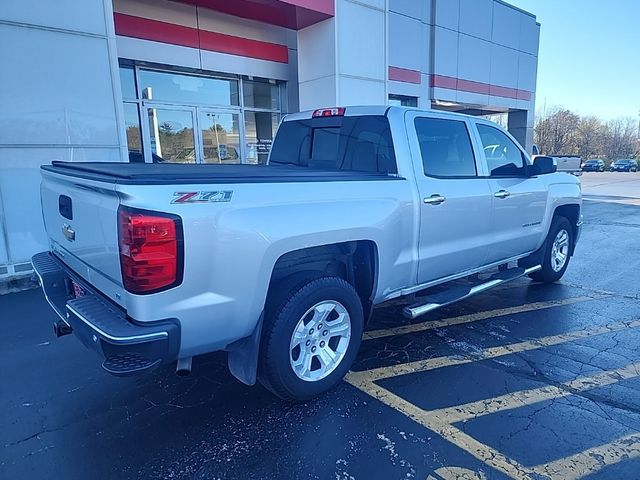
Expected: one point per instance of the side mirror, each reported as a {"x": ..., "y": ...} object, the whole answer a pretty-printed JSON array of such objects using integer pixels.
[{"x": 543, "y": 165}]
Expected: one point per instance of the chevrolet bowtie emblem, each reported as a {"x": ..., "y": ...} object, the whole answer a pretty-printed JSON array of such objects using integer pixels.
[{"x": 68, "y": 232}]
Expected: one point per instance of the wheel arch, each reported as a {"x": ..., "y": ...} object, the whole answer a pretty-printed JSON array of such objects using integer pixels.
[
  {"x": 571, "y": 212},
  {"x": 355, "y": 261}
]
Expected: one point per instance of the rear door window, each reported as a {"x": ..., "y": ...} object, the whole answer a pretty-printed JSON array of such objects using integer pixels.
[
  {"x": 445, "y": 147},
  {"x": 360, "y": 143}
]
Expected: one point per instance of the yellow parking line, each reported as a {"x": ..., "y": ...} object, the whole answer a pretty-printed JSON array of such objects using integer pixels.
[
  {"x": 594, "y": 459},
  {"x": 492, "y": 352},
  {"x": 482, "y": 452},
  {"x": 528, "y": 397},
  {"x": 474, "y": 317}
]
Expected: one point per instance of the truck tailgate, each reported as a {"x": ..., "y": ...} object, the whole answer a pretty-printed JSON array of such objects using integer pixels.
[{"x": 80, "y": 217}]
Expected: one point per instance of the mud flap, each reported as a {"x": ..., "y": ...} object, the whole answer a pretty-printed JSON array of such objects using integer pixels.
[{"x": 242, "y": 358}]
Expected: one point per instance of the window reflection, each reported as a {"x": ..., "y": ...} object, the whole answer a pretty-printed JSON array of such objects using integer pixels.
[
  {"x": 128, "y": 82},
  {"x": 132, "y": 126},
  {"x": 171, "y": 133},
  {"x": 220, "y": 137},
  {"x": 188, "y": 89}
]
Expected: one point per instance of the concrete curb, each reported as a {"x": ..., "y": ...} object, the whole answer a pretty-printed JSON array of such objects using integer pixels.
[{"x": 19, "y": 283}]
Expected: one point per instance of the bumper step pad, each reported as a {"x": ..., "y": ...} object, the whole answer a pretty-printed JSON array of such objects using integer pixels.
[{"x": 128, "y": 364}]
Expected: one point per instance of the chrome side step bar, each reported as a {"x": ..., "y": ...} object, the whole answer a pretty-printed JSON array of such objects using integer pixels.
[{"x": 458, "y": 293}]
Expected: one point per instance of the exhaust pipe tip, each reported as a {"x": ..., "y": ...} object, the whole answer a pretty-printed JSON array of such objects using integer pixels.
[{"x": 183, "y": 366}]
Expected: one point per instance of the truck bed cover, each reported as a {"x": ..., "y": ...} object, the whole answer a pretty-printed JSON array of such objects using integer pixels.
[{"x": 181, "y": 173}]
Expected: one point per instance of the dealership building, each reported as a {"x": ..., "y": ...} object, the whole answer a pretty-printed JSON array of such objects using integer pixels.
[{"x": 207, "y": 81}]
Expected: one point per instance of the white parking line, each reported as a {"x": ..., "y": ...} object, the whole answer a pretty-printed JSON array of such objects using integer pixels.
[{"x": 474, "y": 317}]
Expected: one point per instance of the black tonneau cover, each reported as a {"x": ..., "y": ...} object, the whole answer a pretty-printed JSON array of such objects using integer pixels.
[{"x": 180, "y": 173}]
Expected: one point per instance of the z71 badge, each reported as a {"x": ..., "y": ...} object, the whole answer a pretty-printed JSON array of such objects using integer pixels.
[{"x": 202, "y": 197}]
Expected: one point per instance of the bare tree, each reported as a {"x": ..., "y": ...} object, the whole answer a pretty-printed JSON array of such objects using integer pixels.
[
  {"x": 589, "y": 138},
  {"x": 562, "y": 132}
]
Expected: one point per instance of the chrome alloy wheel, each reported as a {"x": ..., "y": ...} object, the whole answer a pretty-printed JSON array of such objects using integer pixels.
[
  {"x": 320, "y": 340},
  {"x": 560, "y": 250}
]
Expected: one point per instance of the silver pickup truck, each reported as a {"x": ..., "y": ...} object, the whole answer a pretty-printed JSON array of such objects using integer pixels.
[{"x": 282, "y": 264}]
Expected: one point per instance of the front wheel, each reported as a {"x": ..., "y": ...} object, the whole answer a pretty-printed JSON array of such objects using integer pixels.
[
  {"x": 311, "y": 336},
  {"x": 557, "y": 251}
]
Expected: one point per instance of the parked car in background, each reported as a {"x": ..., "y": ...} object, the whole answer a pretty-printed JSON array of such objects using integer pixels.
[
  {"x": 567, "y": 163},
  {"x": 593, "y": 166},
  {"x": 281, "y": 265},
  {"x": 624, "y": 165}
]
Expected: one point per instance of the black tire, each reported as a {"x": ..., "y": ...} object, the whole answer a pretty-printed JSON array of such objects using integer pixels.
[
  {"x": 286, "y": 306},
  {"x": 547, "y": 274}
]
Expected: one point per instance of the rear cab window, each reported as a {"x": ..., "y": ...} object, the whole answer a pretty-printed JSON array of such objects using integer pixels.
[{"x": 347, "y": 143}]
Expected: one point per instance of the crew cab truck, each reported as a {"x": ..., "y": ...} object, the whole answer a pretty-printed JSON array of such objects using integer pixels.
[{"x": 282, "y": 264}]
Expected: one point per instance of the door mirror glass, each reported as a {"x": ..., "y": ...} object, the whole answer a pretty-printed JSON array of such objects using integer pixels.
[{"x": 543, "y": 165}]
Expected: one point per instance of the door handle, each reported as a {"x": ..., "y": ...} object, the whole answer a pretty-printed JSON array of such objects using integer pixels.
[
  {"x": 434, "y": 199},
  {"x": 501, "y": 194}
]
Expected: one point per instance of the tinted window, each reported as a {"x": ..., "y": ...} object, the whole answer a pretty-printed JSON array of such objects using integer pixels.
[
  {"x": 445, "y": 147},
  {"x": 336, "y": 143},
  {"x": 261, "y": 95},
  {"x": 504, "y": 158}
]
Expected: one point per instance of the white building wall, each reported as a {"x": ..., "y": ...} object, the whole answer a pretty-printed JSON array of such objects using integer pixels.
[
  {"x": 343, "y": 60},
  {"x": 60, "y": 101}
]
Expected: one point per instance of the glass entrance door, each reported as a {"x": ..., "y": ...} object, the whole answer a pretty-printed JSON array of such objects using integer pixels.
[
  {"x": 193, "y": 135},
  {"x": 171, "y": 134},
  {"x": 220, "y": 134}
]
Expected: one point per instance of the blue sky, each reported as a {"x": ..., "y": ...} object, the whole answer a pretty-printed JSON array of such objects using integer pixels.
[{"x": 589, "y": 56}]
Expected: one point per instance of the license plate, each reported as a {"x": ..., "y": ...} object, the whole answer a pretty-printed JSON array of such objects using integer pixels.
[{"x": 78, "y": 291}]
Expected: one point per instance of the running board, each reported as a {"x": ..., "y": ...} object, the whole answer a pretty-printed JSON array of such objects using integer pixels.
[{"x": 460, "y": 292}]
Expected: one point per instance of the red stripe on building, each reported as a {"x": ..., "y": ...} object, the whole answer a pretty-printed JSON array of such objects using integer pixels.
[
  {"x": 452, "y": 83},
  {"x": 404, "y": 75},
  {"x": 146, "y": 29},
  {"x": 138, "y": 27}
]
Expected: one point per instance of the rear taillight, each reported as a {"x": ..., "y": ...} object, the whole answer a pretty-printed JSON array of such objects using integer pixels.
[
  {"x": 150, "y": 250},
  {"x": 328, "y": 112}
]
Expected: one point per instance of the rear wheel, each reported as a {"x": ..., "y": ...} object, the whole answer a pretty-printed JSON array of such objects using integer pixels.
[
  {"x": 311, "y": 335},
  {"x": 557, "y": 251}
]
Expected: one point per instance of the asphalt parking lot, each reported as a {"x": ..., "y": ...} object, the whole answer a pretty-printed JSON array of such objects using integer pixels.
[{"x": 529, "y": 381}]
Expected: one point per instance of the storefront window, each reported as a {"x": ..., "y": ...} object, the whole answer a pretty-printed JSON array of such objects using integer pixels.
[
  {"x": 171, "y": 133},
  {"x": 192, "y": 118},
  {"x": 260, "y": 129},
  {"x": 220, "y": 137},
  {"x": 264, "y": 95},
  {"x": 134, "y": 137},
  {"x": 128, "y": 82},
  {"x": 187, "y": 89}
]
